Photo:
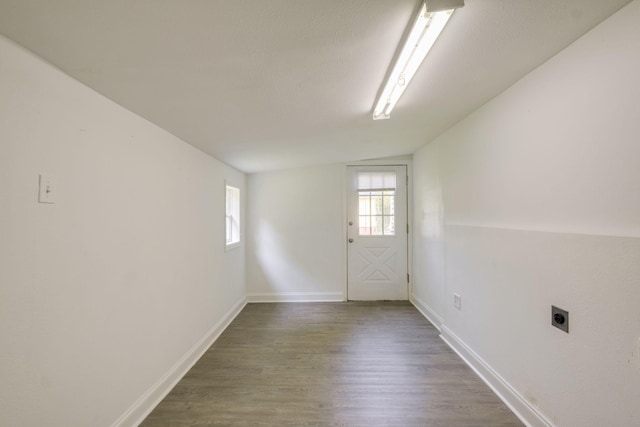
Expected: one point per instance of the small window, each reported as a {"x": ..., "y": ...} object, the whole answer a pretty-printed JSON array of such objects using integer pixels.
[
  {"x": 233, "y": 216},
  {"x": 376, "y": 203}
]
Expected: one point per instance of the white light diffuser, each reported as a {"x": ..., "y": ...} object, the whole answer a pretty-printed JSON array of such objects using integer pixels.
[{"x": 423, "y": 35}]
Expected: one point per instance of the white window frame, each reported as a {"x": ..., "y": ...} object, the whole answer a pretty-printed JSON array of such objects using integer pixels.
[{"x": 232, "y": 216}]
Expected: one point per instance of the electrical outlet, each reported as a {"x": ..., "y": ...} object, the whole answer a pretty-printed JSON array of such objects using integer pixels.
[
  {"x": 46, "y": 192},
  {"x": 560, "y": 318},
  {"x": 457, "y": 301}
]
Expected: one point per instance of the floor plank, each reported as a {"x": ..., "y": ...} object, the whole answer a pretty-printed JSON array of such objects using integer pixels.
[{"x": 331, "y": 364}]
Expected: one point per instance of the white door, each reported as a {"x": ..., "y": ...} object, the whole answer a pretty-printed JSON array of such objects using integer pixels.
[{"x": 377, "y": 233}]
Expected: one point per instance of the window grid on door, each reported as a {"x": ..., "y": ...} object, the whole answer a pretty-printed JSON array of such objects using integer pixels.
[
  {"x": 376, "y": 213},
  {"x": 376, "y": 203}
]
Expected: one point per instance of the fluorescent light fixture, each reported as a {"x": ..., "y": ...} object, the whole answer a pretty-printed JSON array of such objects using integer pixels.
[{"x": 426, "y": 29}]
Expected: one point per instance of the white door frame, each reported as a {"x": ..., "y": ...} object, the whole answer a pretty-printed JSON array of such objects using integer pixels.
[{"x": 403, "y": 161}]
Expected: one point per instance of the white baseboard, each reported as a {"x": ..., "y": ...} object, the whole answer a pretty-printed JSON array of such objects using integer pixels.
[
  {"x": 148, "y": 401},
  {"x": 426, "y": 311},
  {"x": 527, "y": 413},
  {"x": 297, "y": 297}
]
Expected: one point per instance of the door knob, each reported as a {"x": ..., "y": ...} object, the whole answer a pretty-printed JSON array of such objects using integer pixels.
[{"x": 350, "y": 240}]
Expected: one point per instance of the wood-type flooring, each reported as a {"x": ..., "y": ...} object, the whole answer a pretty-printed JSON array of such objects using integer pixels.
[{"x": 331, "y": 364}]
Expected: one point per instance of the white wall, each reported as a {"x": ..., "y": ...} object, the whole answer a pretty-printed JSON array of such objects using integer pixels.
[
  {"x": 104, "y": 294},
  {"x": 534, "y": 200},
  {"x": 427, "y": 290},
  {"x": 295, "y": 229}
]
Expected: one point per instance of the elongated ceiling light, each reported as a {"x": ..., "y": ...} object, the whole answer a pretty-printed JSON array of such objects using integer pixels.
[{"x": 430, "y": 22}]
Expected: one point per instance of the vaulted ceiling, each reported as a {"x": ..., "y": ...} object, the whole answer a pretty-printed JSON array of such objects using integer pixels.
[{"x": 273, "y": 84}]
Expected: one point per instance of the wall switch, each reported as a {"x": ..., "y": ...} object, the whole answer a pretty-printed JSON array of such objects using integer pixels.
[
  {"x": 457, "y": 301},
  {"x": 46, "y": 192}
]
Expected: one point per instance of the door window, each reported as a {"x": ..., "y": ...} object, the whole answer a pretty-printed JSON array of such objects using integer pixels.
[{"x": 376, "y": 203}]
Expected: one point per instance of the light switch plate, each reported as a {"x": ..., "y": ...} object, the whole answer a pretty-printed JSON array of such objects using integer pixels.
[{"x": 46, "y": 193}]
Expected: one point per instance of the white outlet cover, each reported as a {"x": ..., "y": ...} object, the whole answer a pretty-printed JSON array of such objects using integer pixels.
[{"x": 457, "y": 301}]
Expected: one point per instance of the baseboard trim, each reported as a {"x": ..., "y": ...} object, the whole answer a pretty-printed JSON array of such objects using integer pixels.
[
  {"x": 427, "y": 312},
  {"x": 297, "y": 297},
  {"x": 527, "y": 413},
  {"x": 148, "y": 401}
]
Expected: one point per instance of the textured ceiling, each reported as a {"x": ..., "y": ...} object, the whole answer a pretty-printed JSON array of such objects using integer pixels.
[{"x": 273, "y": 84}]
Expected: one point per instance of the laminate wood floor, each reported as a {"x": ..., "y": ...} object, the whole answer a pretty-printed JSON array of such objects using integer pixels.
[{"x": 331, "y": 364}]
